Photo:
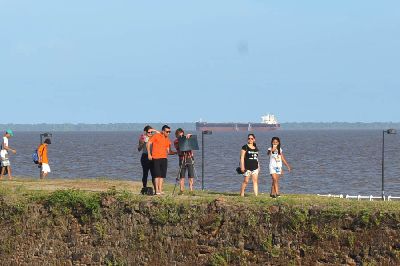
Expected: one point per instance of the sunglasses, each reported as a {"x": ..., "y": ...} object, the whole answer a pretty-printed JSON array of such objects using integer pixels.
[
  {"x": 149, "y": 132},
  {"x": 250, "y": 138},
  {"x": 168, "y": 131}
]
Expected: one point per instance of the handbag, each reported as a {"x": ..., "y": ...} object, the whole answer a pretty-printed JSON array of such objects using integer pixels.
[{"x": 238, "y": 169}]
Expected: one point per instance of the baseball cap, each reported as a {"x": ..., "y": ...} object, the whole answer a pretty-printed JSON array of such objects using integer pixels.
[{"x": 10, "y": 132}]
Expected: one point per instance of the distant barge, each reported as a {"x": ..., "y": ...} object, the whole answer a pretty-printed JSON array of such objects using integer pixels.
[{"x": 268, "y": 123}]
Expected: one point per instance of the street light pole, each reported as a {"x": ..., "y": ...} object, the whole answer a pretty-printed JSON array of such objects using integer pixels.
[
  {"x": 389, "y": 131},
  {"x": 383, "y": 165},
  {"x": 204, "y": 132}
]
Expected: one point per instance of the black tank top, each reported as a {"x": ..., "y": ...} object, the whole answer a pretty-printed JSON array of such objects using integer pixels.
[{"x": 250, "y": 158}]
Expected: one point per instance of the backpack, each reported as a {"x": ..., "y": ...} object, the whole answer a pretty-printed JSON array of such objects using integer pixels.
[
  {"x": 35, "y": 157},
  {"x": 147, "y": 191}
]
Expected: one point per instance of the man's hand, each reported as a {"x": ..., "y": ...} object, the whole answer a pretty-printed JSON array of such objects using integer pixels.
[{"x": 150, "y": 157}]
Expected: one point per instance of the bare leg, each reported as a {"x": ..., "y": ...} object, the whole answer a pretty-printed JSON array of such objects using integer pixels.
[
  {"x": 182, "y": 183},
  {"x": 244, "y": 184},
  {"x": 255, "y": 183},
  {"x": 2, "y": 172},
  {"x": 9, "y": 173},
  {"x": 43, "y": 175},
  {"x": 276, "y": 183},
  {"x": 273, "y": 184},
  {"x": 157, "y": 181},
  {"x": 161, "y": 184},
  {"x": 191, "y": 181}
]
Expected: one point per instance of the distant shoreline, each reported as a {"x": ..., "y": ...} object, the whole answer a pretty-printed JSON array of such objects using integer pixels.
[{"x": 191, "y": 126}]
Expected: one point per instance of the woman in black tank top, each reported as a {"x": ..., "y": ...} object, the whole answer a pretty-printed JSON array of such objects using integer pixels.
[{"x": 249, "y": 164}]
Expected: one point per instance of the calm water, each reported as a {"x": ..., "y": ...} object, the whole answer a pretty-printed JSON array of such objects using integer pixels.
[{"x": 335, "y": 161}]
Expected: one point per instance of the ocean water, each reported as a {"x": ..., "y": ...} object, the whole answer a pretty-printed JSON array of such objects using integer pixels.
[{"x": 326, "y": 161}]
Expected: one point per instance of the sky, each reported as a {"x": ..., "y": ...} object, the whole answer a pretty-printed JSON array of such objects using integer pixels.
[{"x": 181, "y": 61}]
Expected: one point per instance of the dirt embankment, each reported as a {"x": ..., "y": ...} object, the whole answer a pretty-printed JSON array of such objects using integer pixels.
[{"x": 117, "y": 228}]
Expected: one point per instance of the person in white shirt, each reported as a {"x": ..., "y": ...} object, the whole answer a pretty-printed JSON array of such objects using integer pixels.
[
  {"x": 5, "y": 148},
  {"x": 275, "y": 165}
]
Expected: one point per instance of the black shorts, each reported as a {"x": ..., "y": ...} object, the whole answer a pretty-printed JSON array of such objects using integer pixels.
[
  {"x": 189, "y": 165},
  {"x": 160, "y": 167}
]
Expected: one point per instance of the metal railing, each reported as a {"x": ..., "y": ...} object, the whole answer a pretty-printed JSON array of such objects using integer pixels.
[{"x": 360, "y": 197}]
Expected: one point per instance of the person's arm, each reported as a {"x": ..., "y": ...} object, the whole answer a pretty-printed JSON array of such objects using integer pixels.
[
  {"x": 148, "y": 144},
  {"x": 274, "y": 148},
  {"x": 176, "y": 145},
  {"x": 242, "y": 154},
  {"x": 40, "y": 154},
  {"x": 285, "y": 162},
  {"x": 7, "y": 148},
  {"x": 170, "y": 151},
  {"x": 141, "y": 144}
]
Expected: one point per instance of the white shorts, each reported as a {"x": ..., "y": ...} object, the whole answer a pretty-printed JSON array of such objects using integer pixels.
[
  {"x": 275, "y": 170},
  {"x": 249, "y": 172},
  {"x": 45, "y": 168},
  {"x": 5, "y": 162}
]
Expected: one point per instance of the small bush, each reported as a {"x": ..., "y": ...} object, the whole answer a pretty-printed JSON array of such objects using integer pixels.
[
  {"x": 217, "y": 260},
  {"x": 75, "y": 201}
]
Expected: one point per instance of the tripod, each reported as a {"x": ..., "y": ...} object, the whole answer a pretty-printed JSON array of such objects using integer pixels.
[{"x": 186, "y": 155}]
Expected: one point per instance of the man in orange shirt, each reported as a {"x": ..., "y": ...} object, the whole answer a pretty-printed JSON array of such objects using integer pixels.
[
  {"x": 158, "y": 148},
  {"x": 43, "y": 159}
]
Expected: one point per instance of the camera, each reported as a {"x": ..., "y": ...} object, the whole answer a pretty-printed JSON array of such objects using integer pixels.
[{"x": 188, "y": 144}]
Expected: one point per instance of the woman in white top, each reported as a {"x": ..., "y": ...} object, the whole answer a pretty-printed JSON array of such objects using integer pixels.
[{"x": 275, "y": 165}]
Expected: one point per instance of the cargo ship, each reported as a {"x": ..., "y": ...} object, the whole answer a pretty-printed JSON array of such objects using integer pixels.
[{"x": 268, "y": 123}]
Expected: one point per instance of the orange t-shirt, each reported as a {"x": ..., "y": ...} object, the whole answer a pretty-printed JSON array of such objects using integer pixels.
[
  {"x": 42, "y": 152},
  {"x": 160, "y": 146}
]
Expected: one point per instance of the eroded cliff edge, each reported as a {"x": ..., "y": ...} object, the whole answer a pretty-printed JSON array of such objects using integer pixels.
[{"x": 73, "y": 227}]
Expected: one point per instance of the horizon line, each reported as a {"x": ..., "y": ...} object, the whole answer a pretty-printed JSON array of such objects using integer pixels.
[{"x": 111, "y": 123}]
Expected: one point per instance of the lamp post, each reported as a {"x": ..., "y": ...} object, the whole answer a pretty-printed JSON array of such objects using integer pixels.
[
  {"x": 204, "y": 132},
  {"x": 389, "y": 131}
]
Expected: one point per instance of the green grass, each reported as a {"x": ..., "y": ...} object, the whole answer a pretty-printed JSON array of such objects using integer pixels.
[{"x": 88, "y": 202}]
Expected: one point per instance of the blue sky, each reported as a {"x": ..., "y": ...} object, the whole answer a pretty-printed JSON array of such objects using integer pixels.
[{"x": 178, "y": 61}]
